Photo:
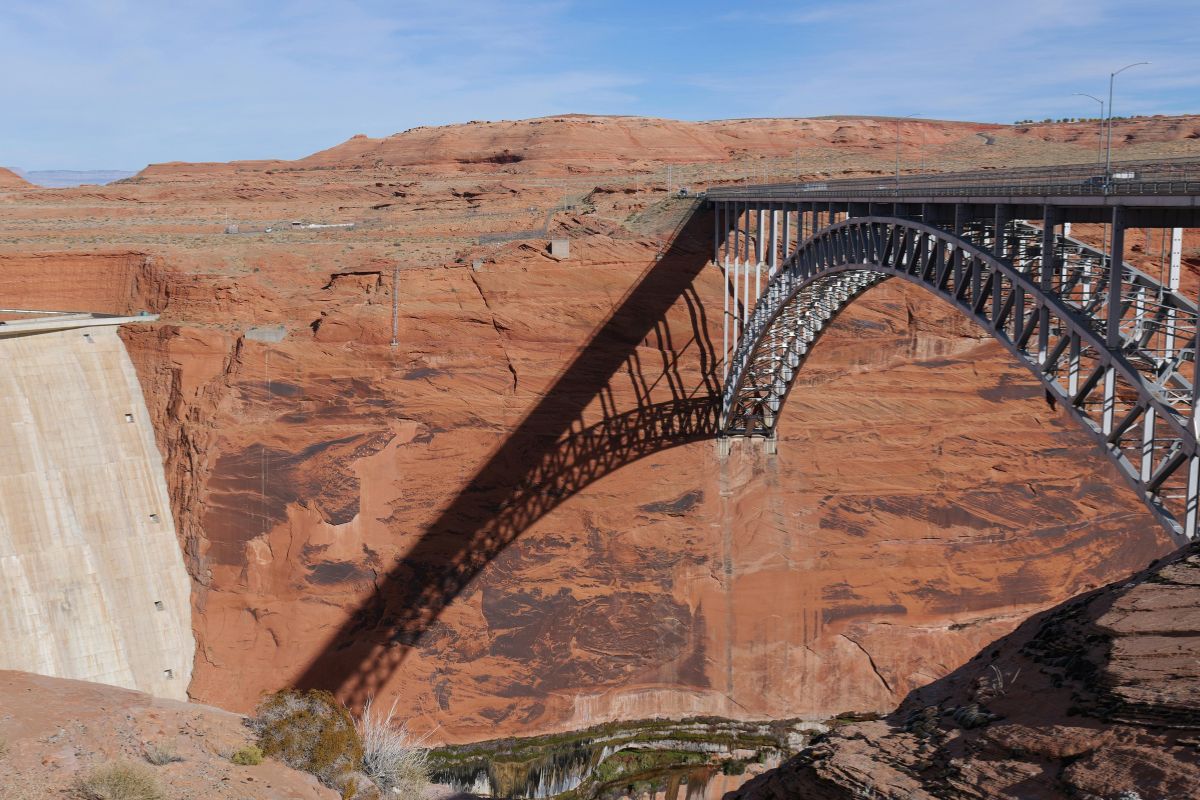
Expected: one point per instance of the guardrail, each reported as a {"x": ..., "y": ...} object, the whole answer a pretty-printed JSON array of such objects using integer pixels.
[{"x": 1163, "y": 177}]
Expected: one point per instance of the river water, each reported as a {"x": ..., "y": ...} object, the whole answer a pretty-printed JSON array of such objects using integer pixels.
[{"x": 695, "y": 759}]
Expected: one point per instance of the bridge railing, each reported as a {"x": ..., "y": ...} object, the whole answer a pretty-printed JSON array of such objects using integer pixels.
[{"x": 1180, "y": 176}]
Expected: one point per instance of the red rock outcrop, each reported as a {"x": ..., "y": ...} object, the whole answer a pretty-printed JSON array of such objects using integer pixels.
[
  {"x": 924, "y": 500},
  {"x": 1095, "y": 697},
  {"x": 11, "y": 180}
]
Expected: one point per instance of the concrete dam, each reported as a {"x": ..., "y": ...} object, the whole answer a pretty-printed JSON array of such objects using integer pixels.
[{"x": 92, "y": 580}]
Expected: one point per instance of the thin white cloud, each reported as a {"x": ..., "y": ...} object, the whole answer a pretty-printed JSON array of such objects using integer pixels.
[{"x": 118, "y": 83}]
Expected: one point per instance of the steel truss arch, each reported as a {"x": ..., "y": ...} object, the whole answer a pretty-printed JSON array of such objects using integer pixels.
[{"x": 1134, "y": 398}]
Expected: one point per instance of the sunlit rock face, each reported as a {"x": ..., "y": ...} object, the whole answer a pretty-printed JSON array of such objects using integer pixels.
[
  {"x": 1095, "y": 697},
  {"x": 924, "y": 499}
]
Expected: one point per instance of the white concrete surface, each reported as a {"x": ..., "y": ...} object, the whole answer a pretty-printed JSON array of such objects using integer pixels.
[{"x": 92, "y": 580}]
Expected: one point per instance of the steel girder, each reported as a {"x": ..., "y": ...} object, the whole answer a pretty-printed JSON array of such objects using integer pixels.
[{"x": 1046, "y": 301}]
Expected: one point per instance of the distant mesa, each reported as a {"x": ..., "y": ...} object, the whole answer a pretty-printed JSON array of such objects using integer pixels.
[
  {"x": 581, "y": 144},
  {"x": 11, "y": 180},
  {"x": 66, "y": 178},
  {"x": 60, "y": 178}
]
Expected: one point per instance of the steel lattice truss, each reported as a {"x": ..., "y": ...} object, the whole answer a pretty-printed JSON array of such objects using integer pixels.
[{"x": 1045, "y": 297}]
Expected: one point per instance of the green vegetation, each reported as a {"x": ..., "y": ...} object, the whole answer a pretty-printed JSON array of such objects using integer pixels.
[
  {"x": 119, "y": 781},
  {"x": 310, "y": 731},
  {"x": 629, "y": 763},
  {"x": 645, "y": 756},
  {"x": 249, "y": 756}
]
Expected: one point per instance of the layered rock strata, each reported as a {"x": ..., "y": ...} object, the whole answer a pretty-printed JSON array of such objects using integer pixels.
[{"x": 1095, "y": 698}]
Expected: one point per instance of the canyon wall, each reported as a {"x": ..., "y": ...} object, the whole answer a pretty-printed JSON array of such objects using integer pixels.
[
  {"x": 92, "y": 583},
  {"x": 512, "y": 521}
]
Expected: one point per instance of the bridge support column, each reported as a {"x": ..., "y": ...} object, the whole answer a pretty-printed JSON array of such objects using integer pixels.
[
  {"x": 774, "y": 242},
  {"x": 1050, "y": 216},
  {"x": 1173, "y": 285},
  {"x": 999, "y": 249},
  {"x": 724, "y": 445},
  {"x": 1116, "y": 258},
  {"x": 749, "y": 254},
  {"x": 1193, "y": 498},
  {"x": 771, "y": 444},
  {"x": 736, "y": 321},
  {"x": 1147, "y": 467},
  {"x": 1108, "y": 407},
  {"x": 723, "y": 214},
  {"x": 1192, "y": 513},
  {"x": 960, "y": 227}
]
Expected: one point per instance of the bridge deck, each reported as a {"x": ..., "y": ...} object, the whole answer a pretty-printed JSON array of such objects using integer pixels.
[
  {"x": 1171, "y": 184},
  {"x": 1116, "y": 347}
]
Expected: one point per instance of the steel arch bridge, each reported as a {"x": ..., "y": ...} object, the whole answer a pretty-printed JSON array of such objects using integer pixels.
[{"x": 1112, "y": 345}]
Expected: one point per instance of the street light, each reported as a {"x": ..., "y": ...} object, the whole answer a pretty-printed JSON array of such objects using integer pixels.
[
  {"x": 1108, "y": 146},
  {"x": 1100, "y": 129},
  {"x": 898, "y": 121}
]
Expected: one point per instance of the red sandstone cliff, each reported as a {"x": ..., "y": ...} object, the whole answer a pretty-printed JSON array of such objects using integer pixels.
[
  {"x": 924, "y": 500},
  {"x": 1095, "y": 697}
]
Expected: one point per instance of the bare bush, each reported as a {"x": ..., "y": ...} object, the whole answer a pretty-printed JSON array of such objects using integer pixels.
[
  {"x": 160, "y": 755},
  {"x": 393, "y": 758},
  {"x": 309, "y": 731},
  {"x": 119, "y": 781}
]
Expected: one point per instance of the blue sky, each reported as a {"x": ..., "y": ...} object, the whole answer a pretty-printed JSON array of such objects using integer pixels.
[{"x": 123, "y": 83}]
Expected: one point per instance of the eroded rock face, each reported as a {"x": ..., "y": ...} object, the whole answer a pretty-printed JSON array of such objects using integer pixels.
[
  {"x": 535, "y": 481},
  {"x": 1090, "y": 699}
]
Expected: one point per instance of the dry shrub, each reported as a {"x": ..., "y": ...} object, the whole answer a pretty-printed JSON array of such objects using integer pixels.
[
  {"x": 249, "y": 756},
  {"x": 357, "y": 786},
  {"x": 159, "y": 755},
  {"x": 309, "y": 731},
  {"x": 119, "y": 781},
  {"x": 393, "y": 758}
]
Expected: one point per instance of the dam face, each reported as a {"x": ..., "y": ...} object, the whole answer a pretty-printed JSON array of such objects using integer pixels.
[{"x": 92, "y": 580}]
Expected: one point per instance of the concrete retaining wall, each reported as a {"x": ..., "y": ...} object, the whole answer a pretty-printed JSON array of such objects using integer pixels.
[{"x": 92, "y": 581}]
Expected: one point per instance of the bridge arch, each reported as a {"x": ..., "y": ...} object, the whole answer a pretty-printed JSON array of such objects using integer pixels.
[{"x": 1134, "y": 403}]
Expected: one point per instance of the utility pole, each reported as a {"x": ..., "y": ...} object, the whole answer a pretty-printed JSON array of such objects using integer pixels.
[
  {"x": 1108, "y": 147},
  {"x": 1099, "y": 129}
]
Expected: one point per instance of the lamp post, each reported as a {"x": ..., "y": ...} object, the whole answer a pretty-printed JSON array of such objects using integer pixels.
[
  {"x": 898, "y": 121},
  {"x": 1108, "y": 146},
  {"x": 1100, "y": 129}
]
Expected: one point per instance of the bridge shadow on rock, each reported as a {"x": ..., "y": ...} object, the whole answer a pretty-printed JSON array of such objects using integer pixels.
[{"x": 552, "y": 454}]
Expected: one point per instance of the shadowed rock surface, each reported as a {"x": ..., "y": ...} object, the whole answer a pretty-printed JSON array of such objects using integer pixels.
[{"x": 1096, "y": 696}]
